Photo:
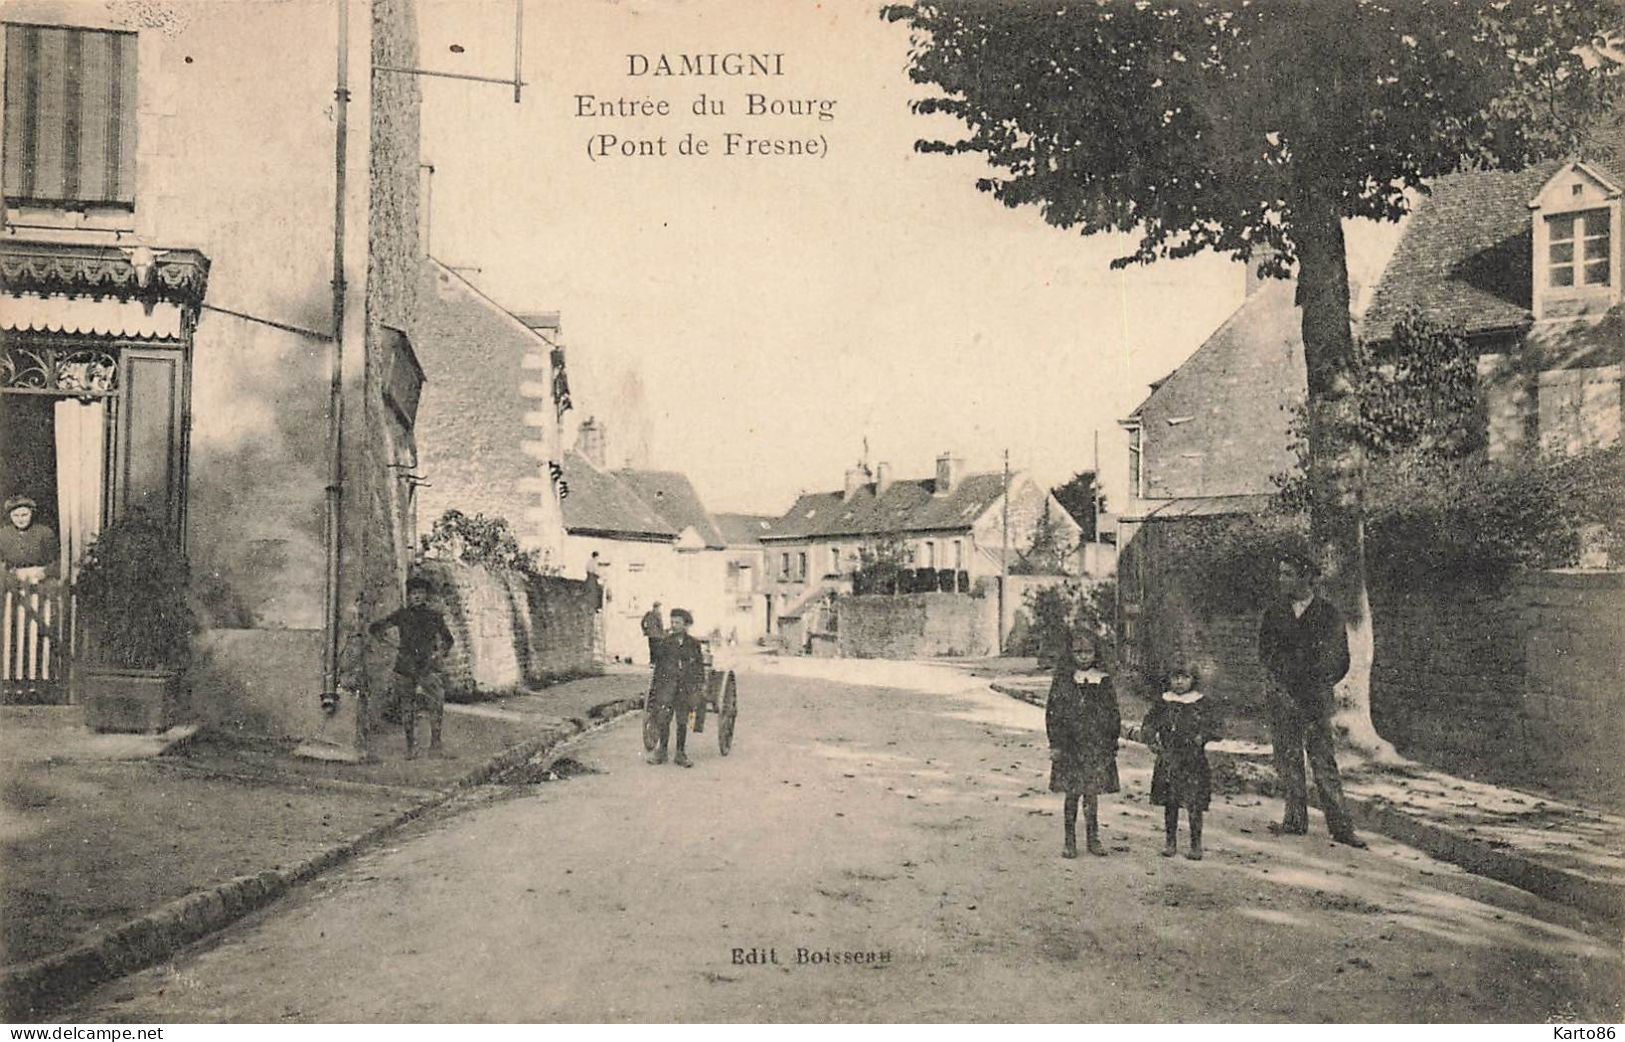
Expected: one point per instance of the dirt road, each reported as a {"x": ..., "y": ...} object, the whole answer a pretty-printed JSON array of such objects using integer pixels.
[{"x": 898, "y": 819}]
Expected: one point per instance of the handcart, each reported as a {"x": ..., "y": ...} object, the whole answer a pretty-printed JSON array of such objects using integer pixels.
[{"x": 720, "y": 695}]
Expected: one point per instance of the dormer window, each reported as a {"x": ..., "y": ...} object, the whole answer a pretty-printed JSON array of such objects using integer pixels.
[
  {"x": 1578, "y": 249},
  {"x": 1576, "y": 226}
]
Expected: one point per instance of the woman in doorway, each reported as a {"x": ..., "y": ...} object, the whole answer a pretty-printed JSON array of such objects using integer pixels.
[{"x": 28, "y": 550}]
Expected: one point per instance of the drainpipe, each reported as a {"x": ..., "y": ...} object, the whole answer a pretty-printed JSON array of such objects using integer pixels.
[{"x": 335, "y": 408}]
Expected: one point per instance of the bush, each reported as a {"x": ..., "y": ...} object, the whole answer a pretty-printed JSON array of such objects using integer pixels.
[
  {"x": 132, "y": 589},
  {"x": 1475, "y": 522},
  {"x": 480, "y": 540},
  {"x": 1059, "y": 610}
]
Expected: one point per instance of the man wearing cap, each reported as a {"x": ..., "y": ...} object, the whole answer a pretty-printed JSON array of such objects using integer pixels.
[
  {"x": 653, "y": 630},
  {"x": 29, "y": 550},
  {"x": 1304, "y": 648},
  {"x": 679, "y": 683}
]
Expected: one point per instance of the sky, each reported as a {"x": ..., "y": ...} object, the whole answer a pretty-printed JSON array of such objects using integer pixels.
[{"x": 752, "y": 321}]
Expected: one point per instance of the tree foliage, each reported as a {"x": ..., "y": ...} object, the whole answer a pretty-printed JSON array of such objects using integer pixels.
[
  {"x": 1081, "y": 498},
  {"x": 1206, "y": 124},
  {"x": 1062, "y": 609},
  {"x": 1050, "y": 549}
]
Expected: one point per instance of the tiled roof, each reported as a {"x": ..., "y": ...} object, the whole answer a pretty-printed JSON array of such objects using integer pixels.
[
  {"x": 671, "y": 496},
  {"x": 738, "y": 529},
  {"x": 1464, "y": 259},
  {"x": 600, "y": 502},
  {"x": 907, "y": 506}
]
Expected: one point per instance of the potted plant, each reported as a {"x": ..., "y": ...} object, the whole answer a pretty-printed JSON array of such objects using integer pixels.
[{"x": 132, "y": 595}]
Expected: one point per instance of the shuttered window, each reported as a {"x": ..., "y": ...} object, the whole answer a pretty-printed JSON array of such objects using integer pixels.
[{"x": 69, "y": 116}]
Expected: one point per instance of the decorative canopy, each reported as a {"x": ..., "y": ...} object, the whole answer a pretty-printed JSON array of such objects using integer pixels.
[{"x": 177, "y": 276}]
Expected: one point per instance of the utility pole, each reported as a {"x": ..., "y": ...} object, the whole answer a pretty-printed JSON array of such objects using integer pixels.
[
  {"x": 1004, "y": 558},
  {"x": 1094, "y": 491}
]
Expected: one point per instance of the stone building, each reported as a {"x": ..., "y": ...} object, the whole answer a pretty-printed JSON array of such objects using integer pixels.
[
  {"x": 1526, "y": 265},
  {"x": 489, "y": 428},
  {"x": 170, "y": 211}
]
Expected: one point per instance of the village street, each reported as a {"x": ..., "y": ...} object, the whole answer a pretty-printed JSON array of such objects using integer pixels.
[{"x": 901, "y": 810}]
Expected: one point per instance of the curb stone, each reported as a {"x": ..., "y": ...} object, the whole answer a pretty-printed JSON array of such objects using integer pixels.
[
  {"x": 35, "y": 988},
  {"x": 1602, "y": 898}
]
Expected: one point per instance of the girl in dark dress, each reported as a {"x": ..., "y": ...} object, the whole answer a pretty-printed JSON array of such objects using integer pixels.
[
  {"x": 1179, "y": 724},
  {"x": 1082, "y": 720}
]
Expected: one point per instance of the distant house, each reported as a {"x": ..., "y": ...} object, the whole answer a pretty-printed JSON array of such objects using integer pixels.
[
  {"x": 699, "y": 571},
  {"x": 647, "y": 537},
  {"x": 747, "y": 587},
  {"x": 491, "y": 428},
  {"x": 951, "y": 524}
]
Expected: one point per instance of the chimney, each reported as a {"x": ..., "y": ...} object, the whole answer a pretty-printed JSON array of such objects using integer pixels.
[
  {"x": 856, "y": 478},
  {"x": 590, "y": 441},
  {"x": 544, "y": 322},
  {"x": 882, "y": 479},
  {"x": 949, "y": 469}
]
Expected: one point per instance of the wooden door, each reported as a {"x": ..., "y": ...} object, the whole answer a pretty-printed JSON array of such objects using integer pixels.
[{"x": 149, "y": 461}]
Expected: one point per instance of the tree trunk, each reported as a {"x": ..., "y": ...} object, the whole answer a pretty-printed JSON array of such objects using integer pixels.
[{"x": 1336, "y": 468}]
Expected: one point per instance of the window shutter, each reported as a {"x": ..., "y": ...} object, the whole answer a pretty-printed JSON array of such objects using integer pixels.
[{"x": 70, "y": 116}]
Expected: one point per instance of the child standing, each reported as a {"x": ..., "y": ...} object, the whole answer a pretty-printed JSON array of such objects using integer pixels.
[
  {"x": 423, "y": 639},
  {"x": 1179, "y": 724},
  {"x": 1082, "y": 721}
]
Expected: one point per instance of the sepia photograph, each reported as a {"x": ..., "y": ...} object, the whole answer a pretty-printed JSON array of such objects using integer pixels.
[{"x": 694, "y": 512}]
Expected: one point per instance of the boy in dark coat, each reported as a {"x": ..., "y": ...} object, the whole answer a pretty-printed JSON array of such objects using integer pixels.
[
  {"x": 418, "y": 686},
  {"x": 1304, "y": 648},
  {"x": 1179, "y": 724},
  {"x": 679, "y": 683},
  {"x": 1082, "y": 721}
]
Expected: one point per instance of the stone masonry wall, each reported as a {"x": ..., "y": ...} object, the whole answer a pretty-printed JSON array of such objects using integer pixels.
[
  {"x": 916, "y": 625},
  {"x": 378, "y": 509},
  {"x": 511, "y": 632},
  {"x": 1525, "y": 685}
]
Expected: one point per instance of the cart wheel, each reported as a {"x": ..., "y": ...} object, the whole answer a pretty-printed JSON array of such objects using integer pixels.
[
  {"x": 651, "y": 726},
  {"x": 727, "y": 712},
  {"x": 700, "y": 704}
]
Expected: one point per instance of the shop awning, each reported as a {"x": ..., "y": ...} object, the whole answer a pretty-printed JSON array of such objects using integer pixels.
[{"x": 87, "y": 316}]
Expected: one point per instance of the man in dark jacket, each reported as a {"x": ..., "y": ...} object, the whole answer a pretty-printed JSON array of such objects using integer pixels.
[
  {"x": 418, "y": 685},
  {"x": 654, "y": 631},
  {"x": 1304, "y": 648},
  {"x": 679, "y": 683}
]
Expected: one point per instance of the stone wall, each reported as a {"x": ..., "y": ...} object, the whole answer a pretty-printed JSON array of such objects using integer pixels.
[
  {"x": 511, "y": 632},
  {"x": 378, "y": 511},
  {"x": 915, "y": 625},
  {"x": 1527, "y": 684}
]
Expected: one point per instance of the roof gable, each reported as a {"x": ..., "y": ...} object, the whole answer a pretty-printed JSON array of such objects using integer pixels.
[
  {"x": 1218, "y": 424},
  {"x": 600, "y": 502},
  {"x": 672, "y": 497},
  {"x": 1594, "y": 183}
]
